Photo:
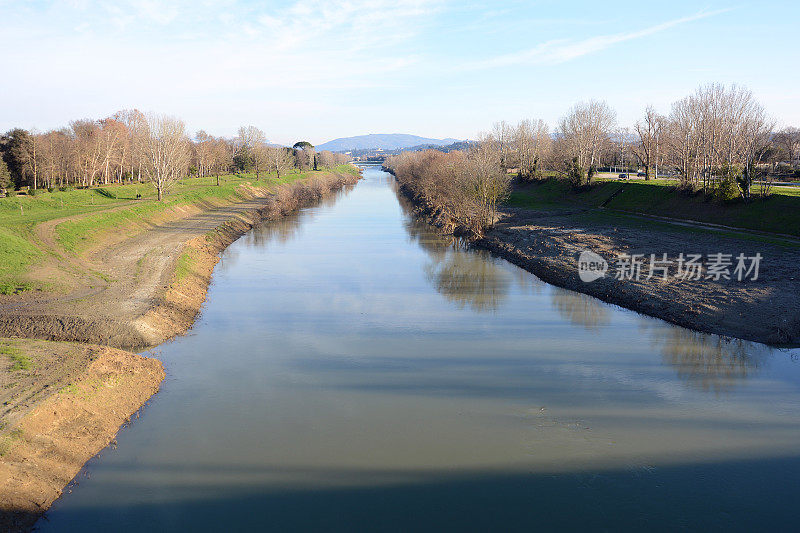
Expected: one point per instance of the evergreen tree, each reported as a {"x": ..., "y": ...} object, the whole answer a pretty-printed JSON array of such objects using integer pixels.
[{"x": 5, "y": 176}]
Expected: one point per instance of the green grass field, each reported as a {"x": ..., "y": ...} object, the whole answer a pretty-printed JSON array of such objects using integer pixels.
[
  {"x": 778, "y": 213},
  {"x": 102, "y": 210},
  {"x": 19, "y": 360}
]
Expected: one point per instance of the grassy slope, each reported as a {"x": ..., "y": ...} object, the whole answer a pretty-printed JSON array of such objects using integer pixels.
[
  {"x": 105, "y": 209},
  {"x": 779, "y": 213}
]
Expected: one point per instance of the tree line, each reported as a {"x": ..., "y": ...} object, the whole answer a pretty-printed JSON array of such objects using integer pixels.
[
  {"x": 718, "y": 140},
  {"x": 131, "y": 146}
]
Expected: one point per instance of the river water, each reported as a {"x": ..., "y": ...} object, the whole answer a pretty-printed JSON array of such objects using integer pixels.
[{"x": 352, "y": 370}]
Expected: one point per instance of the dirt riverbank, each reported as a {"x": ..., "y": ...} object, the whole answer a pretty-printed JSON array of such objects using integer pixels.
[
  {"x": 548, "y": 243},
  {"x": 63, "y": 402},
  {"x": 59, "y": 410},
  {"x": 137, "y": 292}
]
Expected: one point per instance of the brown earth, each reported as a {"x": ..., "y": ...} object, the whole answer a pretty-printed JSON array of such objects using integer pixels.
[
  {"x": 124, "y": 292},
  {"x": 547, "y": 243},
  {"x": 68, "y": 401},
  {"x": 59, "y": 414}
]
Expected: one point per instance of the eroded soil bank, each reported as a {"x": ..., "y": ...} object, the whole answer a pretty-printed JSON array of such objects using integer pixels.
[
  {"x": 548, "y": 244},
  {"x": 58, "y": 411},
  {"x": 152, "y": 285},
  {"x": 63, "y": 402}
]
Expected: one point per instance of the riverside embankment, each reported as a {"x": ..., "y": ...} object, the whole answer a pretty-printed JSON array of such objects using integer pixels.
[
  {"x": 65, "y": 395},
  {"x": 548, "y": 241}
]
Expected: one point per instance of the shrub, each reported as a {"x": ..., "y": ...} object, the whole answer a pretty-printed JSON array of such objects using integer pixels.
[
  {"x": 726, "y": 189},
  {"x": 687, "y": 188},
  {"x": 34, "y": 192},
  {"x": 575, "y": 174},
  {"x": 50, "y": 189}
]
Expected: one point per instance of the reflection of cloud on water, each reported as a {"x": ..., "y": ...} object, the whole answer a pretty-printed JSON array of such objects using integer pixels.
[
  {"x": 580, "y": 309},
  {"x": 708, "y": 362}
]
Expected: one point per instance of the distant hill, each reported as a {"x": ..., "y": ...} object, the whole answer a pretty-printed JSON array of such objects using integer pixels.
[{"x": 380, "y": 141}]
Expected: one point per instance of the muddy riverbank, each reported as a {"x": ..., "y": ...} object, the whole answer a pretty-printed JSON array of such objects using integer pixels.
[{"x": 547, "y": 243}]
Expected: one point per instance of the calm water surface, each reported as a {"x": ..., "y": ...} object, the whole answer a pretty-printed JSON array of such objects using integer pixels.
[{"x": 351, "y": 370}]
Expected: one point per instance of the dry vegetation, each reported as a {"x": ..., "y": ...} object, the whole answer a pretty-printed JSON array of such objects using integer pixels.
[
  {"x": 718, "y": 140},
  {"x": 465, "y": 186}
]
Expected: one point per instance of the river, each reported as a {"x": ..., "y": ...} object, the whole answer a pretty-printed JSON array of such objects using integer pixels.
[{"x": 353, "y": 370}]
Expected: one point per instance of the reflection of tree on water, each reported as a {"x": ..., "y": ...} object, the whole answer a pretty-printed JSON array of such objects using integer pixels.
[
  {"x": 465, "y": 277},
  {"x": 708, "y": 362},
  {"x": 469, "y": 279},
  {"x": 580, "y": 309},
  {"x": 282, "y": 229},
  {"x": 433, "y": 243}
]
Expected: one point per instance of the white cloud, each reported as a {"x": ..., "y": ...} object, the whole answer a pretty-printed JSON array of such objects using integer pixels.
[{"x": 559, "y": 51}]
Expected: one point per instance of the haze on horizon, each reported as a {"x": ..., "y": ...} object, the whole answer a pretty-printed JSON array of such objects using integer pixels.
[{"x": 318, "y": 70}]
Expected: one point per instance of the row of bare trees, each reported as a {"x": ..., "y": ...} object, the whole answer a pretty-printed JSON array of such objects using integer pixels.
[
  {"x": 133, "y": 146},
  {"x": 716, "y": 138}
]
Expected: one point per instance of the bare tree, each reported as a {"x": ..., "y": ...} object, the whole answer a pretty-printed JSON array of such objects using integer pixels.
[
  {"x": 487, "y": 180},
  {"x": 221, "y": 157},
  {"x": 279, "y": 159},
  {"x": 648, "y": 131},
  {"x": 584, "y": 132},
  {"x": 204, "y": 146},
  {"x": 254, "y": 141},
  {"x": 718, "y": 136},
  {"x": 531, "y": 146},
  {"x": 167, "y": 152},
  {"x": 788, "y": 142},
  {"x": 503, "y": 135}
]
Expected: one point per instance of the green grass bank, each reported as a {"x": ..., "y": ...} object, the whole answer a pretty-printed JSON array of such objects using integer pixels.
[
  {"x": 91, "y": 214},
  {"x": 778, "y": 213}
]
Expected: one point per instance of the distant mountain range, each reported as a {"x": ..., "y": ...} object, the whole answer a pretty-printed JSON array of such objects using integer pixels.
[{"x": 380, "y": 141}]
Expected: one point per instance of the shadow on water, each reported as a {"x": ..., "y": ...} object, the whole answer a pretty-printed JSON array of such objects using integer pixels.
[
  {"x": 748, "y": 495},
  {"x": 282, "y": 230}
]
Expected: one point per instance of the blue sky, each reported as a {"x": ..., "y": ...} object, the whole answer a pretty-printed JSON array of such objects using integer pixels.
[{"x": 323, "y": 69}]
